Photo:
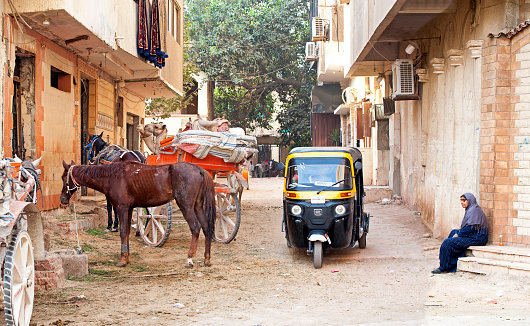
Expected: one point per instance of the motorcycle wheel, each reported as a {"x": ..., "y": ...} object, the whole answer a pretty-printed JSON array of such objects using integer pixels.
[{"x": 317, "y": 254}]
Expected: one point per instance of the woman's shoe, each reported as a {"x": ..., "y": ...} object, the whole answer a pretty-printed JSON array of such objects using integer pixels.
[{"x": 438, "y": 271}]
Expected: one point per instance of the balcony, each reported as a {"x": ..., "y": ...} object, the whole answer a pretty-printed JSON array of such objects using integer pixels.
[
  {"x": 376, "y": 30},
  {"x": 104, "y": 34}
]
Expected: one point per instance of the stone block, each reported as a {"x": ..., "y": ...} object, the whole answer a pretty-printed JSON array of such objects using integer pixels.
[{"x": 74, "y": 265}]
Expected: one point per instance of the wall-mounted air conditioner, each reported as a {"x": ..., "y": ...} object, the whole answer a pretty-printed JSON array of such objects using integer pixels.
[
  {"x": 320, "y": 29},
  {"x": 311, "y": 51},
  {"x": 403, "y": 79}
]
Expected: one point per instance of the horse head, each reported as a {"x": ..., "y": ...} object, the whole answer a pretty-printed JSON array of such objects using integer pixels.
[
  {"x": 95, "y": 145},
  {"x": 69, "y": 184}
]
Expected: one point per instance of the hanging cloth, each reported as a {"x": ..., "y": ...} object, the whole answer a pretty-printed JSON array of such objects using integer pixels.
[
  {"x": 143, "y": 38},
  {"x": 156, "y": 55}
]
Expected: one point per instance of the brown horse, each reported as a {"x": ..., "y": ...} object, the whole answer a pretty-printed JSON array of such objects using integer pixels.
[{"x": 131, "y": 184}]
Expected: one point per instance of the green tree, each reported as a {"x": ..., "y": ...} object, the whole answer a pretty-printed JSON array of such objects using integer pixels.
[
  {"x": 295, "y": 120},
  {"x": 254, "y": 51}
]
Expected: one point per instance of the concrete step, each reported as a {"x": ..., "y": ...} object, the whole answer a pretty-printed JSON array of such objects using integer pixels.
[
  {"x": 496, "y": 259},
  {"x": 377, "y": 193},
  {"x": 503, "y": 253},
  {"x": 491, "y": 266}
]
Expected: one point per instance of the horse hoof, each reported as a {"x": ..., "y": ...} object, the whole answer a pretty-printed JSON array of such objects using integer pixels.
[
  {"x": 207, "y": 264},
  {"x": 188, "y": 265},
  {"x": 120, "y": 264}
]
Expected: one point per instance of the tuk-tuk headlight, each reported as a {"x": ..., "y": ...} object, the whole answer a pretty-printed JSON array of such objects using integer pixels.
[
  {"x": 340, "y": 209},
  {"x": 296, "y": 210}
]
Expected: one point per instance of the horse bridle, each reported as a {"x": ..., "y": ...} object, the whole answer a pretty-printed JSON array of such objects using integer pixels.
[{"x": 68, "y": 177}]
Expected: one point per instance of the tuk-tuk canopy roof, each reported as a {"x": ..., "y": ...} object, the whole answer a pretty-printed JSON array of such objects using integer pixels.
[{"x": 354, "y": 152}]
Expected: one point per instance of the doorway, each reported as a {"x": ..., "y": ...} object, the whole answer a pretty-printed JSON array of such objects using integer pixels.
[
  {"x": 133, "y": 137},
  {"x": 23, "y": 143}
]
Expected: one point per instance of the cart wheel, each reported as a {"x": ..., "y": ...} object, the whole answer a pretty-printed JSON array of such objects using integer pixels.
[
  {"x": 228, "y": 217},
  {"x": 19, "y": 280},
  {"x": 317, "y": 254},
  {"x": 154, "y": 224},
  {"x": 362, "y": 241}
]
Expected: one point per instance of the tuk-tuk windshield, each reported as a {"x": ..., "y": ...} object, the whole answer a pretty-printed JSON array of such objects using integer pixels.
[{"x": 315, "y": 174}]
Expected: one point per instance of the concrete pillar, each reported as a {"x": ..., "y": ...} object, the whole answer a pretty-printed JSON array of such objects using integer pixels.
[{"x": 395, "y": 152}]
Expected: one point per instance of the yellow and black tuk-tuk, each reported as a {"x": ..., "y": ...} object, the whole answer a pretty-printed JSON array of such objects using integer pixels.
[{"x": 323, "y": 200}]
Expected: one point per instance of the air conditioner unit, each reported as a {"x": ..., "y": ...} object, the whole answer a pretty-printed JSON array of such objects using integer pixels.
[
  {"x": 402, "y": 79},
  {"x": 320, "y": 29},
  {"x": 311, "y": 51}
]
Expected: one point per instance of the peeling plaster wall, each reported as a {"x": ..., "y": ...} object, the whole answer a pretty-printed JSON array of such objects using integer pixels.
[
  {"x": 435, "y": 142},
  {"x": 27, "y": 81}
]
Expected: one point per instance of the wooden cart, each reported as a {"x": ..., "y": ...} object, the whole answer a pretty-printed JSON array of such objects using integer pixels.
[
  {"x": 154, "y": 223},
  {"x": 20, "y": 222}
]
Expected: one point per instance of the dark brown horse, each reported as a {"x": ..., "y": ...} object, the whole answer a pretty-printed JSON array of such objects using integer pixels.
[
  {"x": 99, "y": 151},
  {"x": 131, "y": 184}
]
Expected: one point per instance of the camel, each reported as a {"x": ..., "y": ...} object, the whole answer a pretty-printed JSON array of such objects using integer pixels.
[
  {"x": 213, "y": 125},
  {"x": 152, "y": 134}
]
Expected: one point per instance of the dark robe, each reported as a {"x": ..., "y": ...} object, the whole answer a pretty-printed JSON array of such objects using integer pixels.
[{"x": 472, "y": 232}]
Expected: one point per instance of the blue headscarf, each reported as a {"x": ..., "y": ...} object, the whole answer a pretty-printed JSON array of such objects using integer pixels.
[{"x": 474, "y": 214}]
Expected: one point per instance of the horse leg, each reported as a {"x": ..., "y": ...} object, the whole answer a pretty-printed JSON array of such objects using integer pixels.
[
  {"x": 195, "y": 228},
  {"x": 116, "y": 223},
  {"x": 109, "y": 215},
  {"x": 125, "y": 214},
  {"x": 201, "y": 217}
]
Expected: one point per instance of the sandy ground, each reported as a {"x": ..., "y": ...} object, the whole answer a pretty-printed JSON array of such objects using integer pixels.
[{"x": 258, "y": 280}]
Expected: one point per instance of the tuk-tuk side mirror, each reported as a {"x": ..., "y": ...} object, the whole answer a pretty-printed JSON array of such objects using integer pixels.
[{"x": 358, "y": 165}]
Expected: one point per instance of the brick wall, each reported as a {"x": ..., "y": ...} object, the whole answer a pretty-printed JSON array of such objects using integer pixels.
[
  {"x": 505, "y": 138},
  {"x": 49, "y": 273},
  {"x": 518, "y": 227}
]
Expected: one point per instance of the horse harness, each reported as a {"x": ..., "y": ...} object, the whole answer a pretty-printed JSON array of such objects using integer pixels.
[
  {"x": 111, "y": 153},
  {"x": 90, "y": 147},
  {"x": 68, "y": 177}
]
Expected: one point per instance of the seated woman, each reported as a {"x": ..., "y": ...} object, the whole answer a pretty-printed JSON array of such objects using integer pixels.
[{"x": 473, "y": 232}]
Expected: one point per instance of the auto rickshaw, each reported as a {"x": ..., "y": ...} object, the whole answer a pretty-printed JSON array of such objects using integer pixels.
[{"x": 323, "y": 200}]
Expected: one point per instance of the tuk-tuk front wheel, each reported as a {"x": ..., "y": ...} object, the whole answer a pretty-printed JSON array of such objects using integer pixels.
[
  {"x": 362, "y": 241},
  {"x": 317, "y": 254}
]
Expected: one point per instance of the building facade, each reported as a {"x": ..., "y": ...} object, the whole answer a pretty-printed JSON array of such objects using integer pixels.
[
  {"x": 463, "y": 124},
  {"x": 73, "y": 68}
]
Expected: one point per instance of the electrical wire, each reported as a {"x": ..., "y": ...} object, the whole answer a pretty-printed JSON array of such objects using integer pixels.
[{"x": 373, "y": 47}]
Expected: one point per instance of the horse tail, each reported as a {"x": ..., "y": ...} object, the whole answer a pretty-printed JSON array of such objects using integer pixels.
[{"x": 208, "y": 202}]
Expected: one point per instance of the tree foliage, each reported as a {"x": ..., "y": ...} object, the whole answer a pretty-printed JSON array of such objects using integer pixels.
[
  {"x": 295, "y": 120},
  {"x": 254, "y": 50}
]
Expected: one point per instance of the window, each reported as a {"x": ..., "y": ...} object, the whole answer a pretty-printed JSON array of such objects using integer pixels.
[
  {"x": 173, "y": 20},
  {"x": 314, "y": 174},
  {"x": 60, "y": 80}
]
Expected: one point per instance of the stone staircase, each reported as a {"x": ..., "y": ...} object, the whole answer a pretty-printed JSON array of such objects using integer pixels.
[{"x": 495, "y": 259}]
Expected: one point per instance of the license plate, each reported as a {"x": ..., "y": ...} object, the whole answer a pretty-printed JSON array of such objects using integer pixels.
[{"x": 318, "y": 199}]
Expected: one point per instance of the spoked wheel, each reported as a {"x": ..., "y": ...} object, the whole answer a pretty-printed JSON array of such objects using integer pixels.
[
  {"x": 317, "y": 254},
  {"x": 19, "y": 280},
  {"x": 228, "y": 217},
  {"x": 154, "y": 224}
]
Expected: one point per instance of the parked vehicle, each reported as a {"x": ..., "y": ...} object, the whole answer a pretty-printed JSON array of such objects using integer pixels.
[
  {"x": 21, "y": 238},
  {"x": 323, "y": 200}
]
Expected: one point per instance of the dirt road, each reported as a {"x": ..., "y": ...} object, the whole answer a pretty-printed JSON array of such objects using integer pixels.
[{"x": 257, "y": 280}]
